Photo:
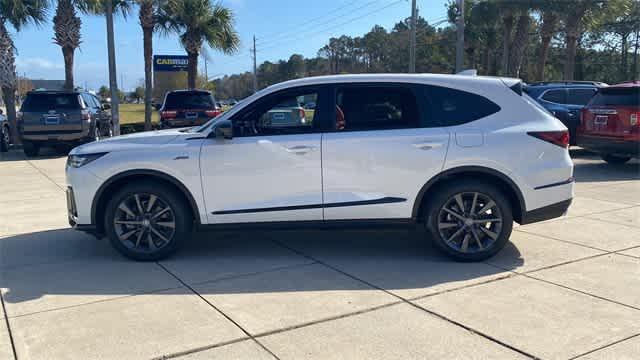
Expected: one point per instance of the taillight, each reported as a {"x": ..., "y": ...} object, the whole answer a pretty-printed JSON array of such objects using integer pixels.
[
  {"x": 560, "y": 138},
  {"x": 303, "y": 118},
  {"x": 212, "y": 113},
  {"x": 85, "y": 115},
  {"x": 168, "y": 114}
]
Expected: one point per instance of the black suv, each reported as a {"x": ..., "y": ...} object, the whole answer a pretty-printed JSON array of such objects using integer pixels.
[
  {"x": 564, "y": 99},
  {"x": 184, "y": 108},
  {"x": 62, "y": 118}
]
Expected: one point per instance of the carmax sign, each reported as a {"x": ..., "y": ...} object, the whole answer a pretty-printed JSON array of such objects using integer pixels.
[{"x": 170, "y": 62}]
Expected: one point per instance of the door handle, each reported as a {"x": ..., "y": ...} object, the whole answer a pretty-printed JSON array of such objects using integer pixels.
[
  {"x": 427, "y": 145},
  {"x": 300, "y": 149}
]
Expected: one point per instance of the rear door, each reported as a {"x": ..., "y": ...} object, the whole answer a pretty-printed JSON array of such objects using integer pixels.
[
  {"x": 380, "y": 150},
  {"x": 613, "y": 112}
]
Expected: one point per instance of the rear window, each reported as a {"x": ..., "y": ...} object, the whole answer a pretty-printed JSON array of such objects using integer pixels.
[
  {"x": 188, "y": 100},
  {"x": 455, "y": 107},
  {"x": 580, "y": 96},
  {"x": 617, "y": 97},
  {"x": 46, "y": 102}
]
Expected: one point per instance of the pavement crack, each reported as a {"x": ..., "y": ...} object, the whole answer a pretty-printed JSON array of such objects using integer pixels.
[
  {"x": 6, "y": 320},
  {"x": 409, "y": 302},
  {"x": 605, "y": 346},
  {"x": 245, "y": 331}
]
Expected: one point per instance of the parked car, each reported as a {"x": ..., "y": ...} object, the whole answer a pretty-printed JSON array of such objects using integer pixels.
[
  {"x": 609, "y": 123},
  {"x": 183, "y": 108},
  {"x": 285, "y": 114},
  {"x": 564, "y": 99},
  {"x": 5, "y": 133},
  {"x": 465, "y": 156},
  {"x": 61, "y": 118}
]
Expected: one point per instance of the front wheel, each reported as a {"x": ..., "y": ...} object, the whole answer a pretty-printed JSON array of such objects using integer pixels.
[
  {"x": 468, "y": 220},
  {"x": 147, "y": 221},
  {"x": 5, "y": 139},
  {"x": 30, "y": 149},
  {"x": 615, "y": 160}
]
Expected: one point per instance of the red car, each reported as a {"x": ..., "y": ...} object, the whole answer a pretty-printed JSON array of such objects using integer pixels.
[{"x": 609, "y": 123}]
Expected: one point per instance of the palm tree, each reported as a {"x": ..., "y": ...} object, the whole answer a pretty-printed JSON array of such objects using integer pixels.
[
  {"x": 520, "y": 40},
  {"x": 147, "y": 17},
  {"x": 550, "y": 17},
  {"x": 108, "y": 8},
  {"x": 198, "y": 21},
  {"x": 66, "y": 27},
  {"x": 16, "y": 13}
]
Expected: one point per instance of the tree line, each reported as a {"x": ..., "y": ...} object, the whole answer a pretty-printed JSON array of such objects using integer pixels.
[{"x": 535, "y": 40}]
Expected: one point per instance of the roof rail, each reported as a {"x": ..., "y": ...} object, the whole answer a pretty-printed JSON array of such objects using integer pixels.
[{"x": 567, "y": 82}]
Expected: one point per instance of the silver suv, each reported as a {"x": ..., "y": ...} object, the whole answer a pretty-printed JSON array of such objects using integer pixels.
[{"x": 61, "y": 118}]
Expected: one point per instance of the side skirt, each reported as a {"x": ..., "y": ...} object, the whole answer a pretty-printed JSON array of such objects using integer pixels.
[{"x": 312, "y": 225}]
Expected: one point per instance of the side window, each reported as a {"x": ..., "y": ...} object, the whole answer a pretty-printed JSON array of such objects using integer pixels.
[
  {"x": 450, "y": 107},
  {"x": 88, "y": 101},
  {"x": 555, "y": 96},
  {"x": 360, "y": 108},
  {"x": 96, "y": 101},
  {"x": 580, "y": 96},
  {"x": 282, "y": 114}
]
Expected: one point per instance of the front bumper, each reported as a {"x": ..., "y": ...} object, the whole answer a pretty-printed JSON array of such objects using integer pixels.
[
  {"x": 608, "y": 145},
  {"x": 546, "y": 213},
  {"x": 72, "y": 213}
]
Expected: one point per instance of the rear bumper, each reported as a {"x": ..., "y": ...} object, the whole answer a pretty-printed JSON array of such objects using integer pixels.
[
  {"x": 55, "y": 135},
  {"x": 609, "y": 145},
  {"x": 546, "y": 213},
  {"x": 180, "y": 123}
]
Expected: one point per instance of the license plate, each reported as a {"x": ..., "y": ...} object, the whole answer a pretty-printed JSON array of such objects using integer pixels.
[
  {"x": 277, "y": 116},
  {"x": 52, "y": 120},
  {"x": 191, "y": 115},
  {"x": 601, "y": 120}
]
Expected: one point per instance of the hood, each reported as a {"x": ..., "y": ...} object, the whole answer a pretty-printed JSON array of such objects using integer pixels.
[{"x": 130, "y": 141}]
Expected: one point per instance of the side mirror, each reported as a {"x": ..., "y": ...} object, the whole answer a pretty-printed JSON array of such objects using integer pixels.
[
  {"x": 224, "y": 130},
  {"x": 106, "y": 106}
]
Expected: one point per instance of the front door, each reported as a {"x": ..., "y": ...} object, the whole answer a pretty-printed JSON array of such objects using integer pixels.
[
  {"x": 271, "y": 169},
  {"x": 380, "y": 152}
]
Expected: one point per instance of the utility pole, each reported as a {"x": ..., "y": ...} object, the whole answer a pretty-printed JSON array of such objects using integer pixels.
[
  {"x": 412, "y": 39},
  {"x": 113, "y": 81},
  {"x": 460, "y": 37},
  {"x": 255, "y": 70}
]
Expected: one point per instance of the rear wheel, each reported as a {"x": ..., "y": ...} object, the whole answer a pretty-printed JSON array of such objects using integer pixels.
[
  {"x": 147, "y": 221},
  {"x": 614, "y": 159},
  {"x": 469, "y": 221},
  {"x": 5, "y": 139},
  {"x": 30, "y": 149}
]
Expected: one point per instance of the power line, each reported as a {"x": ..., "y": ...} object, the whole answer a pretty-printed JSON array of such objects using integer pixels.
[
  {"x": 305, "y": 34},
  {"x": 343, "y": 6},
  {"x": 320, "y": 24}
]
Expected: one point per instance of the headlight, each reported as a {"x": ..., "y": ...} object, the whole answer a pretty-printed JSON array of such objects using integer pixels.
[{"x": 76, "y": 161}]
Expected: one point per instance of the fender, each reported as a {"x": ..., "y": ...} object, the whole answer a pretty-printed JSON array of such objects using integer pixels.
[
  {"x": 145, "y": 172},
  {"x": 470, "y": 169}
]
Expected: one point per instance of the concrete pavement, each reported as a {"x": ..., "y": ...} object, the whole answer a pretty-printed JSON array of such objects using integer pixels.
[{"x": 562, "y": 289}]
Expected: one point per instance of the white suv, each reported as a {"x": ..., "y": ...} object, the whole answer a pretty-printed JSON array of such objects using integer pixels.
[{"x": 464, "y": 155}]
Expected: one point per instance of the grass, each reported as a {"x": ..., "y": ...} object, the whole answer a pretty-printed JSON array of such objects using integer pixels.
[{"x": 134, "y": 114}]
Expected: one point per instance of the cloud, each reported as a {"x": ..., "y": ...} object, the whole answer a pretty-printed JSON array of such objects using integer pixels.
[{"x": 27, "y": 64}]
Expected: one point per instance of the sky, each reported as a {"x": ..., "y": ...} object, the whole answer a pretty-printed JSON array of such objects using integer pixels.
[{"x": 281, "y": 27}]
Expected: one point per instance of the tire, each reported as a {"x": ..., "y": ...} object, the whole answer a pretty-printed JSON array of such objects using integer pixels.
[
  {"x": 109, "y": 130},
  {"x": 165, "y": 241},
  {"x": 449, "y": 233},
  {"x": 30, "y": 149},
  {"x": 615, "y": 160},
  {"x": 5, "y": 139},
  {"x": 96, "y": 135}
]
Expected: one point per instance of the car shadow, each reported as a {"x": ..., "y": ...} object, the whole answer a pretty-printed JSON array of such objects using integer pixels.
[
  {"x": 601, "y": 171},
  {"x": 41, "y": 265},
  {"x": 45, "y": 154}
]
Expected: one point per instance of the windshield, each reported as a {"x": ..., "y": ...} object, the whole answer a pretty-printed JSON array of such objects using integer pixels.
[
  {"x": 188, "y": 100},
  {"x": 617, "y": 97},
  {"x": 46, "y": 102}
]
